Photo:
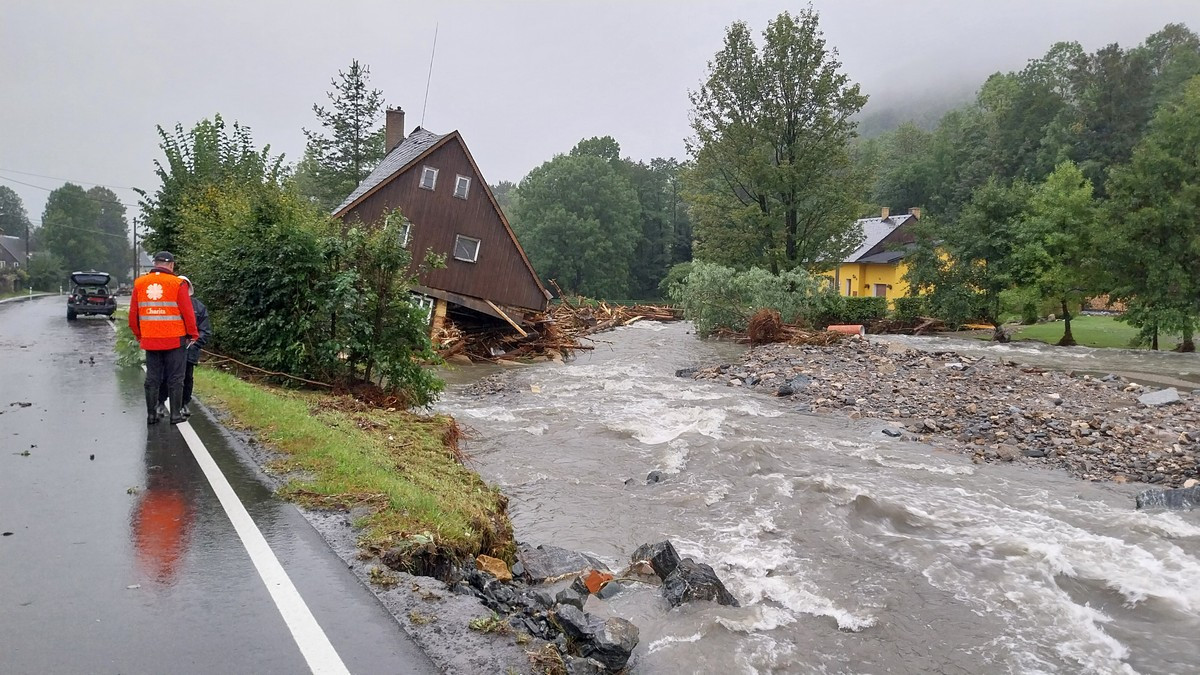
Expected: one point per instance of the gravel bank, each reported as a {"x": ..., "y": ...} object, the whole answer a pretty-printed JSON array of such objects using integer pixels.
[{"x": 996, "y": 411}]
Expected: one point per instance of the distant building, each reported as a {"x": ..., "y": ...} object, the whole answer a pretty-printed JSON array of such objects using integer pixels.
[
  {"x": 144, "y": 263},
  {"x": 12, "y": 252},
  {"x": 436, "y": 184},
  {"x": 876, "y": 268},
  {"x": 12, "y": 259}
]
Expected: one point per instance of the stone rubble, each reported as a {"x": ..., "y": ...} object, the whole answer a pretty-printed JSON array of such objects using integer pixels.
[
  {"x": 996, "y": 411},
  {"x": 552, "y": 607}
]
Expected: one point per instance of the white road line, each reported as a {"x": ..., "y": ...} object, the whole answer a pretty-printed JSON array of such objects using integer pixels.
[
  {"x": 314, "y": 644},
  {"x": 310, "y": 638}
]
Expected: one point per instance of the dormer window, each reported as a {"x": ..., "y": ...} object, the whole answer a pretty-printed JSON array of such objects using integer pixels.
[
  {"x": 462, "y": 185},
  {"x": 466, "y": 249},
  {"x": 428, "y": 177}
]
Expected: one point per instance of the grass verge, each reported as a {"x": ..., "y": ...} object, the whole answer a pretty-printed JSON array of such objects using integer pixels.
[
  {"x": 1091, "y": 331},
  {"x": 337, "y": 453}
]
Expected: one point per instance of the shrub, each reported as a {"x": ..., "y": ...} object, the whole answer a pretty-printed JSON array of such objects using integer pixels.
[
  {"x": 863, "y": 310},
  {"x": 715, "y": 297},
  {"x": 676, "y": 276},
  {"x": 290, "y": 291},
  {"x": 837, "y": 309},
  {"x": 909, "y": 309}
]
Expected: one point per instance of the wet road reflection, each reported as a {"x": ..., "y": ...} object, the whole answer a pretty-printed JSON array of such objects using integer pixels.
[{"x": 161, "y": 523}]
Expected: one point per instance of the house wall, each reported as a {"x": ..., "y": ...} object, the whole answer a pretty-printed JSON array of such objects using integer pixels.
[
  {"x": 864, "y": 276},
  {"x": 499, "y": 274}
]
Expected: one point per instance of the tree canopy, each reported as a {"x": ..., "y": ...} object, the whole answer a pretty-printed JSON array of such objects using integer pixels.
[
  {"x": 14, "y": 219},
  {"x": 351, "y": 142},
  {"x": 86, "y": 229},
  {"x": 577, "y": 218},
  {"x": 773, "y": 184},
  {"x": 210, "y": 154}
]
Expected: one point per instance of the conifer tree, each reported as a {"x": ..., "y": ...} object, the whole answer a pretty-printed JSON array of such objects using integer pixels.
[{"x": 351, "y": 144}]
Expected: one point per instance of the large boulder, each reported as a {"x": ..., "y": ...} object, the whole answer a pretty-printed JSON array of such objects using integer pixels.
[
  {"x": 662, "y": 557},
  {"x": 608, "y": 641},
  {"x": 1160, "y": 397},
  {"x": 552, "y": 562},
  {"x": 1179, "y": 498},
  {"x": 692, "y": 581},
  {"x": 612, "y": 643}
]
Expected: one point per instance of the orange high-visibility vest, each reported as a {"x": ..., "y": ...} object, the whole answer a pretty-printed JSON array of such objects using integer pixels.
[{"x": 159, "y": 315}]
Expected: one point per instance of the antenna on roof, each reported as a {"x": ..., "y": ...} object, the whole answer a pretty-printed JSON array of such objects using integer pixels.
[{"x": 432, "y": 54}]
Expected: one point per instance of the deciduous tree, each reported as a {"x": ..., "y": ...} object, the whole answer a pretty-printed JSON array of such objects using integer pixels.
[
  {"x": 577, "y": 217},
  {"x": 1155, "y": 202},
  {"x": 14, "y": 219},
  {"x": 773, "y": 183},
  {"x": 1064, "y": 249},
  {"x": 209, "y": 154},
  {"x": 71, "y": 229}
]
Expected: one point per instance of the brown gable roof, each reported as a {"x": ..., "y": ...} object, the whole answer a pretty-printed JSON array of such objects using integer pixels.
[{"x": 420, "y": 144}]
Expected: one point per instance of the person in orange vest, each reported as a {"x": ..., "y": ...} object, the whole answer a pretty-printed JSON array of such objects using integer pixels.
[{"x": 162, "y": 319}]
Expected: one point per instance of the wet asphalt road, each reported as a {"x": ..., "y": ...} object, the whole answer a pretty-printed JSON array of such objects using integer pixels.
[{"x": 126, "y": 563}]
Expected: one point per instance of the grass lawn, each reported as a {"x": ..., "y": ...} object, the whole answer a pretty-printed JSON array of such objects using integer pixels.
[
  {"x": 337, "y": 452},
  {"x": 1091, "y": 331}
]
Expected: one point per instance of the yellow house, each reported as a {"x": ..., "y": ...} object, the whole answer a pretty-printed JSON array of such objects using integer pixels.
[{"x": 876, "y": 268}]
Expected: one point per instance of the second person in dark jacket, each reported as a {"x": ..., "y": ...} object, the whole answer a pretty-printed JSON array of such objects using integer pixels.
[{"x": 193, "y": 352}]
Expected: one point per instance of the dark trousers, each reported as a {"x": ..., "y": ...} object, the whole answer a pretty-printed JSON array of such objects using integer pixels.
[
  {"x": 165, "y": 368},
  {"x": 164, "y": 391}
]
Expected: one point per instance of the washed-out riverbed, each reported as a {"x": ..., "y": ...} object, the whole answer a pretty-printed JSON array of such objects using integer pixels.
[{"x": 849, "y": 551}]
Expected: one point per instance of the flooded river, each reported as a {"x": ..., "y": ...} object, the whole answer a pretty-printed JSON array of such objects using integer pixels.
[{"x": 849, "y": 551}]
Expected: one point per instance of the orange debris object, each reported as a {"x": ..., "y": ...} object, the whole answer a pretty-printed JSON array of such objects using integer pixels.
[
  {"x": 595, "y": 579},
  {"x": 494, "y": 567},
  {"x": 848, "y": 329}
]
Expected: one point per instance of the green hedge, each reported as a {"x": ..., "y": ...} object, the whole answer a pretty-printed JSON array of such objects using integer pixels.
[
  {"x": 852, "y": 310},
  {"x": 910, "y": 308}
]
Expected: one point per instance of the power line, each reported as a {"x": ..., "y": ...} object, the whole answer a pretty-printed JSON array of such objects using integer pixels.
[
  {"x": 40, "y": 224},
  {"x": 39, "y": 187},
  {"x": 68, "y": 180}
]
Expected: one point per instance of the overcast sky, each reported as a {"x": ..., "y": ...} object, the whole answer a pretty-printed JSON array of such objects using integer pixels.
[{"x": 84, "y": 82}]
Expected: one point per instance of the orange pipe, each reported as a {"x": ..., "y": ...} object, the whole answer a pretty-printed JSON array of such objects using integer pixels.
[{"x": 848, "y": 329}]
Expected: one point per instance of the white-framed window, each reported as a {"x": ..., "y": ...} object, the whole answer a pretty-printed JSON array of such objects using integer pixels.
[
  {"x": 405, "y": 234},
  {"x": 466, "y": 249},
  {"x": 428, "y": 177},
  {"x": 462, "y": 185},
  {"x": 423, "y": 302}
]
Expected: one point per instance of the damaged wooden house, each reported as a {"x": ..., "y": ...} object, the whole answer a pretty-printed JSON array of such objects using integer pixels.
[{"x": 487, "y": 282}]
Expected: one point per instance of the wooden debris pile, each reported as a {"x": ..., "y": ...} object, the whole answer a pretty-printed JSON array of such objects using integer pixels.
[
  {"x": 554, "y": 334},
  {"x": 766, "y": 327},
  {"x": 918, "y": 327}
]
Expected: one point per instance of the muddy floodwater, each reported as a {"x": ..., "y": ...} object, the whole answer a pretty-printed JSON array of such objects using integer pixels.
[{"x": 849, "y": 551}]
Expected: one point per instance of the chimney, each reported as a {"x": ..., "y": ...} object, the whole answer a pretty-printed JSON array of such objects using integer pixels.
[
  {"x": 915, "y": 212},
  {"x": 886, "y": 212},
  {"x": 393, "y": 128}
]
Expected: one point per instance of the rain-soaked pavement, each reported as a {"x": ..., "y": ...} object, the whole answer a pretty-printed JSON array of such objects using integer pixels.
[{"x": 116, "y": 556}]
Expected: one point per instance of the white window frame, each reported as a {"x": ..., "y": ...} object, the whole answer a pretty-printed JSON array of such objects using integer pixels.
[
  {"x": 405, "y": 234},
  {"x": 463, "y": 238},
  {"x": 424, "y": 302},
  {"x": 425, "y": 171},
  {"x": 465, "y": 182}
]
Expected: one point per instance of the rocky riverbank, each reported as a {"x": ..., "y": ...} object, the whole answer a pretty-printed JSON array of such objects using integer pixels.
[{"x": 997, "y": 411}]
